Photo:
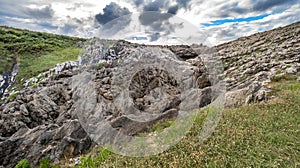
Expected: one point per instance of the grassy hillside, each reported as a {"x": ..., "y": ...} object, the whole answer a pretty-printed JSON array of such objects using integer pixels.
[
  {"x": 34, "y": 51},
  {"x": 257, "y": 135}
]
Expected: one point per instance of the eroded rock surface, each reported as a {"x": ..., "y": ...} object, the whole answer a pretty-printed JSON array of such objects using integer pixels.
[
  {"x": 256, "y": 60},
  {"x": 42, "y": 121}
]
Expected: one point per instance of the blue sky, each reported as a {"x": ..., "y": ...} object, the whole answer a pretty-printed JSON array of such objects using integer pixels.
[
  {"x": 221, "y": 20},
  {"x": 235, "y": 20}
]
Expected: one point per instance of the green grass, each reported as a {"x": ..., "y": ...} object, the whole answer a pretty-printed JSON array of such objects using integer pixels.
[
  {"x": 32, "y": 66},
  {"x": 159, "y": 127},
  {"x": 24, "y": 163},
  {"x": 13, "y": 96},
  {"x": 94, "y": 160},
  {"x": 256, "y": 135},
  {"x": 283, "y": 77},
  {"x": 34, "y": 51}
]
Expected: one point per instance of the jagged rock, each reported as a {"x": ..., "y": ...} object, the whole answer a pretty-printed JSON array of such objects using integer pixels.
[
  {"x": 293, "y": 70},
  {"x": 255, "y": 92},
  {"x": 42, "y": 121},
  {"x": 70, "y": 65},
  {"x": 45, "y": 141},
  {"x": 260, "y": 57},
  {"x": 184, "y": 52}
]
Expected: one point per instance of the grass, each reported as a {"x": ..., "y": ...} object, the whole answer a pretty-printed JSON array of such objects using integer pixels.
[
  {"x": 13, "y": 95},
  {"x": 34, "y": 51},
  {"x": 283, "y": 77},
  {"x": 256, "y": 135},
  {"x": 32, "y": 66},
  {"x": 159, "y": 127},
  {"x": 24, "y": 163}
]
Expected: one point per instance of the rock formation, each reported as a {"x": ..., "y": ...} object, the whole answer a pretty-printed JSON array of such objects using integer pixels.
[
  {"x": 250, "y": 63},
  {"x": 42, "y": 120}
]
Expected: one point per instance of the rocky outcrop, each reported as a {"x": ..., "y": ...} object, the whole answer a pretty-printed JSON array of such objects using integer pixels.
[
  {"x": 258, "y": 59},
  {"x": 42, "y": 120}
]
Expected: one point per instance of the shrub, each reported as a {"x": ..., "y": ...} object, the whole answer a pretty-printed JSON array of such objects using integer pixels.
[{"x": 23, "y": 164}]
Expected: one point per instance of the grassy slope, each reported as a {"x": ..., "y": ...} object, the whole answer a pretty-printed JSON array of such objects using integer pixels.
[
  {"x": 256, "y": 135},
  {"x": 36, "y": 52}
]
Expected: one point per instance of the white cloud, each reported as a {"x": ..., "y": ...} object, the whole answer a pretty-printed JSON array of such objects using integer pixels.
[
  {"x": 230, "y": 31},
  {"x": 77, "y": 17}
]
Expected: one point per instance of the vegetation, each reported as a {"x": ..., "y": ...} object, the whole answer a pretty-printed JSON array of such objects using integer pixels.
[
  {"x": 283, "y": 77},
  {"x": 13, "y": 95},
  {"x": 95, "y": 159},
  {"x": 256, "y": 135},
  {"x": 23, "y": 164},
  {"x": 45, "y": 163},
  {"x": 32, "y": 66},
  {"x": 159, "y": 127},
  {"x": 34, "y": 51}
]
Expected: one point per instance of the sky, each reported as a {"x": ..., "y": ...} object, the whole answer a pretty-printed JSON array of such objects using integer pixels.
[{"x": 218, "y": 21}]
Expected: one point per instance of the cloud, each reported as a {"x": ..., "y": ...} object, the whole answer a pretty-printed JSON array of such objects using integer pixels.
[
  {"x": 67, "y": 28},
  {"x": 262, "y": 5},
  {"x": 111, "y": 12},
  {"x": 156, "y": 5},
  {"x": 223, "y": 21},
  {"x": 173, "y": 9},
  {"x": 45, "y": 12},
  {"x": 138, "y": 2},
  {"x": 228, "y": 19},
  {"x": 157, "y": 22},
  {"x": 230, "y": 31},
  {"x": 183, "y": 3}
]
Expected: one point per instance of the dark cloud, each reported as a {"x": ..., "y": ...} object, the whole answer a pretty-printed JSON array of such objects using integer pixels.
[
  {"x": 42, "y": 13},
  {"x": 111, "y": 12},
  {"x": 157, "y": 22},
  {"x": 258, "y": 6},
  {"x": 115, "y": 26},
  {"x": 151, "y": 18},
  {"x": 156, "y": 5},
  {"x": 229, "y": 10},
  {"x": 263, "y": 5},
  {"x": 138, "y": 2},
  {"x": 173, "y": 9}
]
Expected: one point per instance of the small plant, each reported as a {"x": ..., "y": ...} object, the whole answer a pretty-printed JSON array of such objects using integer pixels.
[
  {"x": 23, "y": 164},
  {"x": 278, "y": 72},
  {"x": 159, "y": 127},
  {"x": 96, "y": 159},
  {"x": 45, "y": 163},
  {"x": 283, "y": 77},
  {"x": 101, "y": 64},
  {"x": 13, "y": 95}
]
